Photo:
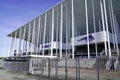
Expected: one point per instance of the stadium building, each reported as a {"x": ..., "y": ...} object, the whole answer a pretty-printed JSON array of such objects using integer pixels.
[{"x": 85, "y": 28}]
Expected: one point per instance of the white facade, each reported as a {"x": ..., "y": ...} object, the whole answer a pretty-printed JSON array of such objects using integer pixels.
[{"x": 72, "y": 26}]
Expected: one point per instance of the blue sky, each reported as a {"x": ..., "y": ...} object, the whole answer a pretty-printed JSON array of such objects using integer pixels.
[{"x": 15, "y": 13}]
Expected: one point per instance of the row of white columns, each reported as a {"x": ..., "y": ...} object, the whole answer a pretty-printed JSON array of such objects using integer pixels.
[
  {"x": 104, "y": 24},
  {"x": 33, "y": 45},
  {"x": 112, "y": 16}
]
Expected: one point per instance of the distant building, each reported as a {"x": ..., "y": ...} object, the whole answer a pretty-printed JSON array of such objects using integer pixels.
[{"x": 85, "y": 28}]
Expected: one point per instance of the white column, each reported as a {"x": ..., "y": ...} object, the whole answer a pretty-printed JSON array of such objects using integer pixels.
[
  {"x": 33, "y": 36},
  {"x": 73, "y": 25},
  {"x": 12, "y": 45},
  {"x": 44, "y": 33},
  {"x": 38, "y": 37},
  {"x": 27, "y": 41},
  {"x": 40, "y": 48},
  {"x": 94, "y": 26},
  {"x": 25, "y": 46},
  {"x": 57, "y": 33},
  {"x": 24, "y": 49},
  {"x": 99, "y": 22},
  {"x": 61, "y": 30},
  {"x": 114, "y": 26},
  {"x": 9, "y": 48},
  {"x": 116, "y": 40},
  {"x": 5, "y": 47},
  {"x": 103, "y": 25},
  {"x": 86, "y": 12},
  {"x": 66, "y": 32},
  {"x": 52, "y": 38},
  {"x": 29, "y": 35},
  {"x": 19, "y": 41},
  {"x": 106, "y": 21}
]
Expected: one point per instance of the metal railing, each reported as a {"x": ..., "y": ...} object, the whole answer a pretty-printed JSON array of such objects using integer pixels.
[
  {"x": 99, "y": 68},
  {"x": 80, "y": 69}
]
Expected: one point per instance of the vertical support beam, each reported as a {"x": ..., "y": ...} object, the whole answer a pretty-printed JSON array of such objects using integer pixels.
[
  {"x": 12, "y": 43},
  {"x": 5, "y": 45},
  {"x": 103, "y": 25},
  {"x": 94, "y": 26},
  {"x": 73, "y": 25},
  {"x": 24, "y": 48},
  {"x": 27, "y": 41},
  {"x": 116, "y": 40},
  {"x": 114, "y": 26},
  {"x": 26, "y": 45},
  {"x": 33, "y": 36},
  {"x": 38, "y": 37},
  {"x": 106, "y": 21},
  {"x": 99, "y": 22},
  {"x": 61, "y": 30},
  {"x": 52, "y": 38},
  {"x": 57, "y": 33},
  {"x": 20, "y": 41},
  {"x": 29, "y": 35},
  {"x": 44, "y": 33},
  {"x": 66, "y": 31},
  {"x": 86, "y": 13},
  {"x": 40, "y": 48},
  {"x": 69, "y": 33}
]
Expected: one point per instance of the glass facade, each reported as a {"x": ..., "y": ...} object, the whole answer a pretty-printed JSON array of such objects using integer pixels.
[{"x": 58, "y": 28}]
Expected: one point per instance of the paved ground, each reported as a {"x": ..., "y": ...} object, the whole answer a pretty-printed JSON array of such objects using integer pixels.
[
  {"x": 85, "y": 75},
  {"x": 7, "y": 75}
]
